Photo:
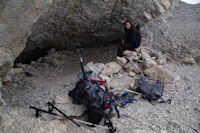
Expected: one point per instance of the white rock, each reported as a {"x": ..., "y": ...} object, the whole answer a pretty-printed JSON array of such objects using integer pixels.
[
  {"x": 127, "y": 53},
  {"x": 111, "y": 68},
  {"x": 144, "y": 53},
  {"x": 96, "y": 68},
  {"x": 159, "y": 74},
  {"x": 132, "y": 85},
  {"x": 133, "y": 57},
  {"x": 132, "y": 74},
  {"x": 121, "y": 60},
  {"x": 132, "y": 67},
  {"x": 176, "y": 78}
]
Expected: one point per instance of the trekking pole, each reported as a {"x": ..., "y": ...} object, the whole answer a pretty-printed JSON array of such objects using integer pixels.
[
  {"x": 68, "y": 117},
  {"x": 81, "y": 62},
  {"x": 91, "y": 124},
  {"x": 84, "y": 122},
  {"x": 41, "y": 110},
  {"x": 134, "y": 92}
]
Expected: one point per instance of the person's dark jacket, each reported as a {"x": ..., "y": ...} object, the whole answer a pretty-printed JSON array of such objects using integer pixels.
[
  {"x": 133, "y": 38},
  {"x": 132, "y": 41}
]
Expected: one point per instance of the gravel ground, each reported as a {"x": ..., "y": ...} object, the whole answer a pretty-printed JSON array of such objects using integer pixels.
[{"x": 48, "y": 78}]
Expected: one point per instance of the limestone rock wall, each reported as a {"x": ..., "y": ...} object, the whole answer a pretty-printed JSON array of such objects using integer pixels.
[{"x": 16, "y": 19}]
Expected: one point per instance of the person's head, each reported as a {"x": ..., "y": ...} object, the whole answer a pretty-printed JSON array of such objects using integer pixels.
[{"x": 127, "y": 25}]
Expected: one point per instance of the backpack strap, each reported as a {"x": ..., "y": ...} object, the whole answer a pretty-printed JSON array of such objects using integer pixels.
[
  {"x": 109, "y": 124},
  {"x": 113, "y": 105},
  {"x": 165, "y": 101}
]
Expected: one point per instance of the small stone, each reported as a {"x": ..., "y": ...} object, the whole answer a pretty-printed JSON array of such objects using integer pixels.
[
  {"x": 131, "y": 86},
  {"x": 161, "y": 60},
  {"x": 176, "y": 78},
  {"x": 133, "y": 58},
  {"x": 144, "y": 53},
  {"x": 120, "y": 75},
  {"x": 33, "y": 62},
  {"x": 197, "y": 109},
  {"x": 153, "y": 127},
  {"x": 163, "y": 131},
  {"x": 111, "y": 68},
  {"x": 188, "y": 60},
  {"x": 132, "y": 74},
  {"x": 127, "y": 53},
  {"x": 197, "y": 59}
]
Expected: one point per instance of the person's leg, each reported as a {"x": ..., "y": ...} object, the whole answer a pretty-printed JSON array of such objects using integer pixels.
[
  {"x": 129, "y": 46},
  {"x": 120, "y": 50}
]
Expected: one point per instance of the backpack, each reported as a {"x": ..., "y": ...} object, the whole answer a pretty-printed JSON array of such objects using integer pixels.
[
  {"x": 99, "y": 102},
  {"x": 151, "y": 89}
]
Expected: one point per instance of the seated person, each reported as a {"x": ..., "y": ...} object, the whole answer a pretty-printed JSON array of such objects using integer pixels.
[{"x": 133, "y": 38}]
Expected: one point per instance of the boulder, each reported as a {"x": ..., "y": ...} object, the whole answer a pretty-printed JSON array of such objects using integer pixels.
[
  {"x": 188, "y": 60},
  {"x": 111, "y": 68},
  {"x": 132, "y": 67},
  {"x": 159, "y": 74},
  {"x": 96, "y": 68},
  {"x": 121, "y": 60}
]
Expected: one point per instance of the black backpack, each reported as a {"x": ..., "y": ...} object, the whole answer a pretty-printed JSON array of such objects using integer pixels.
[
  {"x": 151, "y": 89},
  {"x": 99, "y": 102}
]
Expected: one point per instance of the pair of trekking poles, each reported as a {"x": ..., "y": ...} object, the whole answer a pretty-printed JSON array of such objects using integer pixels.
[{"x": 63, "y": 115}]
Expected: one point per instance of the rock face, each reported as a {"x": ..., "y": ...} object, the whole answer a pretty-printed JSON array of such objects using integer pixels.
[
  {"x": 16, "y": 19},
  {"x": 75, "y": 23}
]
